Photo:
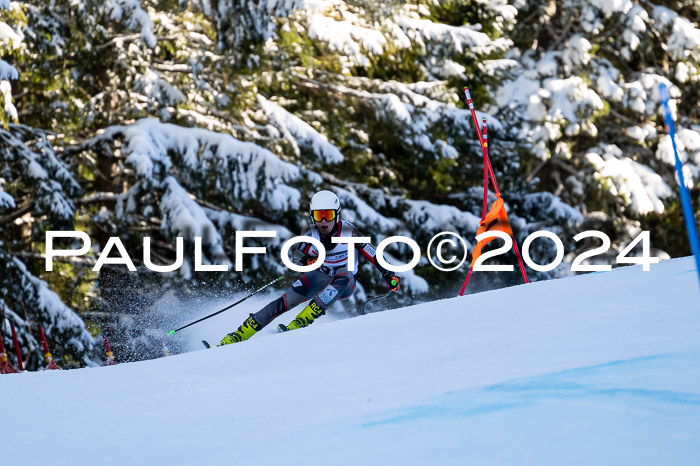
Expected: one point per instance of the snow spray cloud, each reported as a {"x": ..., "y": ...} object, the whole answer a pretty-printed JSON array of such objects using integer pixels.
[{"x": 444, "y": 238}]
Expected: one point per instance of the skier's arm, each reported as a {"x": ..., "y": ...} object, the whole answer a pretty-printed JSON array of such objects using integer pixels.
[
  {"x": 370, "y": 252},
  {"x": 305, "y": 253}
]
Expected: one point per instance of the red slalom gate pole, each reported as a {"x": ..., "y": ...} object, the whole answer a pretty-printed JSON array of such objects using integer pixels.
[
  {"x": 47, "y": 354},
  {"x": 520, "y": 260},
  {"x": 17, "y": 350},
  {"x": 483, "y": 140},
  {"x": 5, "y": 366},
  {"x": 466, "y": 281},
  {"x": 486, "y": 177},
  {"x": 515, "y": 243},
  {"x": 110, "y": 355},
  {"x": 484, "y": 147}
]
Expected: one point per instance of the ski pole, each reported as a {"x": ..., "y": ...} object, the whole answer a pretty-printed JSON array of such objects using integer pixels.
[
  {"x": 172, "y": 332},
  {"x": 373, "y": 299}
]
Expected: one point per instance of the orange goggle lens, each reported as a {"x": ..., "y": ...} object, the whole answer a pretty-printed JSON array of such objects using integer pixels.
[{"x": 326, "y": 215}]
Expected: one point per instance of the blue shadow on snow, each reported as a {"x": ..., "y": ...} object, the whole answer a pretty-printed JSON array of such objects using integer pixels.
[{"x": 626, "y": 380}]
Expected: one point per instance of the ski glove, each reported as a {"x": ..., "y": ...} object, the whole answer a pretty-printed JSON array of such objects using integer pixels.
[
  {"x": 307, "y": 259},
  {"x": 392, "y": 281}
]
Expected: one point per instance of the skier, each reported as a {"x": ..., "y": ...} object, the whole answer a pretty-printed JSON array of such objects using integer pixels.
[{"x": 323, "y": 286}]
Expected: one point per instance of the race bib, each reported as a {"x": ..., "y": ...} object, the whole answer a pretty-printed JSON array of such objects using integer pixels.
[{"x": 369, "y": 249}]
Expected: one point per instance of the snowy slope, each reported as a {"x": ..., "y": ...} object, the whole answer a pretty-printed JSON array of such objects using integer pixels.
[{"x": 595, "y": 369}]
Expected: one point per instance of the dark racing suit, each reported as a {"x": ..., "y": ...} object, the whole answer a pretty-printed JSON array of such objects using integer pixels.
[{"x": 330, "y": 282}]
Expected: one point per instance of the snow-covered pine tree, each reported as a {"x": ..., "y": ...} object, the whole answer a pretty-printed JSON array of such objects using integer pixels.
[
  {"x": 36, "y": 198},
  {"x": 36, "y": 191},
  {"x": 582, "y": 89}
]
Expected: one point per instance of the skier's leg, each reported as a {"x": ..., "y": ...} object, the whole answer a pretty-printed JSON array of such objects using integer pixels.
[
  {"x": 247, "y": 329},
  {"x": 307, "y": 285},
  {"x": 349, "y": 287},
  {"x": 341, "y": 286},
  {"x": 277, "y": 307}
]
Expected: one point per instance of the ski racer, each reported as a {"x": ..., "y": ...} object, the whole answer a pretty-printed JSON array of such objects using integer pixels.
[{"x": 323, "y": 286}]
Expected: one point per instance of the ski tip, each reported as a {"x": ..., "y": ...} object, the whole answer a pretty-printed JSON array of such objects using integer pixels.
[
  {"x": 172, "y": 332},
  {"x": 282, "y": 328},
  {"x": 206, "y": 344}
]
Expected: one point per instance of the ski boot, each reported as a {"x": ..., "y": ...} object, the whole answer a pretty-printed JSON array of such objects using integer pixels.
[
  {"x": 305, "y": 318},
  {"x": 249, "y": 328}
]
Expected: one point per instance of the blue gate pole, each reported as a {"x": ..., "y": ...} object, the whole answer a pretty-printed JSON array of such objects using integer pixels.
[{"x": 685, "y": 195}]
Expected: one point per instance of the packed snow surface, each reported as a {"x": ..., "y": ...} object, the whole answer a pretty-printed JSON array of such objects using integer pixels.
[{"x": 594, "y": 369}]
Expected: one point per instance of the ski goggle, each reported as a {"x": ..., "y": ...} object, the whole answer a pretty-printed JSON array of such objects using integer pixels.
[{"x": 326, "y": 215}]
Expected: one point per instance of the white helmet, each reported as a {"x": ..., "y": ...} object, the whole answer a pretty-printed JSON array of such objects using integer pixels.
[{"x": 324, "y": 200}]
